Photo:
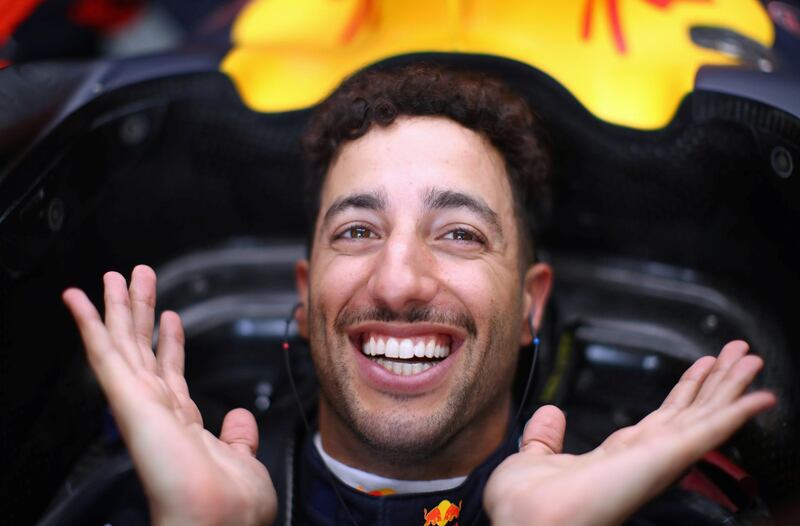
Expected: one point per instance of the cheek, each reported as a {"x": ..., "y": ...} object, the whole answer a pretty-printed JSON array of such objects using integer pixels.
[
  {"x": 481, "y": 288},
  {"x": 336, "y": 281}
]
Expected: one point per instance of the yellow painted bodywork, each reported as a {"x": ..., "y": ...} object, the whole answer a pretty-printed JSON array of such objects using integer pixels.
[{"x": 629, "y": 62}]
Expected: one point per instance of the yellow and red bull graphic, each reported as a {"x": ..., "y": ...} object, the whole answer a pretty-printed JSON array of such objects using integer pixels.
[
  {"x": 444, "y": 514},
  {"x": 380, "y": 492},
  {"x": 629, "y": 62}
]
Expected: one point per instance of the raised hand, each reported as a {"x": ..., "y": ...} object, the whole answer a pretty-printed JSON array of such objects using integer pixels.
[
  {"x": 540, "y": 485},
  {"x": 189, "y": 475}
]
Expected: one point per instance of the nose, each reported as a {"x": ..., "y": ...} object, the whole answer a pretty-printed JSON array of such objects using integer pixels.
[{"x": 403, "y": 273}]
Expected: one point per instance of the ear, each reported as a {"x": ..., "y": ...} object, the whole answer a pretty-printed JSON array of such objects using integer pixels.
[
  {"x": 536, "y": 287},
  {"x": 301, "y": 281}
]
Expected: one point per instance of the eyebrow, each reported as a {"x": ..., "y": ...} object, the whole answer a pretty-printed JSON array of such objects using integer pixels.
[
  {"x": 369, "y": 201},
  {"x": 438, "y": 199}
]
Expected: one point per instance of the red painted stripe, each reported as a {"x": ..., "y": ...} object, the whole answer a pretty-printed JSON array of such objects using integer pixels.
[
  {"x": 104, "y": 15},
  {"x": 360, "y": 15},
  {"x": 13, "y": 13},
  {"x": 664, "y": 4},
  {"x": 588, "y": 10},
  {"x": 616, "y": 26}
]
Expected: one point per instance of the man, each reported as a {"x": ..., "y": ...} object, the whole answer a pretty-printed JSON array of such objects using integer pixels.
[{"x": 419, "y": 290}]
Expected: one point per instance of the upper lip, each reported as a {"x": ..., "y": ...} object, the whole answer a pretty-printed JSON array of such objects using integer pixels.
[{"x": 406, "y": 330}]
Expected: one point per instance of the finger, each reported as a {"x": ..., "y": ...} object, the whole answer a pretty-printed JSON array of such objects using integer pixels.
[
  {"x": 688, "y": 386},
  {"x": 721, "y": 424},
  {"x": 100, "y": 350},
  {"x": 749, "y": 406},
  {"x": 680, "y": 397},
  {"x": 170, "y": 355},
  {"x": 118, "y": 317},
  {"x": 544, "y": 432},
  {"x": 142, "y": 294},
  {"x": 731, "y": 353},
  {"x": 239, "y": 430},
  {"x": 737, "y": 380}
]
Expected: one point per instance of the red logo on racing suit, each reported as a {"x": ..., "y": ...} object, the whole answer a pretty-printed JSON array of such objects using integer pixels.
[{"x": 442, "y": 514}]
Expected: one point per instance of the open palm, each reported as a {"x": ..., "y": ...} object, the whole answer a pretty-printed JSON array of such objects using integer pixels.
[
  {"x": 541, "y": 485},
  {"x": 189, "y": 475}
]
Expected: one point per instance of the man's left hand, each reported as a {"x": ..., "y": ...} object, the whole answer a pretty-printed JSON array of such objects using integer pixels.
[{"x": 540, "y": 485}]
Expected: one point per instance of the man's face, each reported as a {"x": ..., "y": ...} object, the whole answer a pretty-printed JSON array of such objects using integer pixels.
[{"x": 416, "y": 300}]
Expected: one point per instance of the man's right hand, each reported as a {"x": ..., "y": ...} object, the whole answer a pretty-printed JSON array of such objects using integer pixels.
[{"x": 189, "y": 475}]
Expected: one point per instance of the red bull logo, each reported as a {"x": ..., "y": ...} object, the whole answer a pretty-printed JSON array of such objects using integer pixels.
[{"x": 446, "y": 513}]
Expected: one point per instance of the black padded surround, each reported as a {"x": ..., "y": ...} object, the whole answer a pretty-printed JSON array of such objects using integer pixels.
[{"x": 158, "y": 169}]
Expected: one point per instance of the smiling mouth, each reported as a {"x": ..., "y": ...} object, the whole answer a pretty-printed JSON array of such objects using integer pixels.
[{"x": 406, "y": 356}]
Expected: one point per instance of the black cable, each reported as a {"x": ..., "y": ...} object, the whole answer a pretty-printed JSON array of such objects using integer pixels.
[
  {"x": 533, "y": 367},
  {"x": 288, "y": 365},
  {"x": 524, "y": 392},
  {"x": 331, "y": 480}
]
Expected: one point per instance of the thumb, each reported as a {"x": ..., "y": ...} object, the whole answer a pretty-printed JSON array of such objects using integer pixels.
[
  {"x": 544, "y": 432},
  {"x": 239, "y": 430}
]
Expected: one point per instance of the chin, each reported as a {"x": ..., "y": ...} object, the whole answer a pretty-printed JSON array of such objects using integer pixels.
[
  {"x": 401, "y": 440},
  {"x": 402, "y": 433}
]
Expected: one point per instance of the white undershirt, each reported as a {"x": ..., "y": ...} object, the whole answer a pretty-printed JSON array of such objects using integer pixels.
[{"x": 367, "y": 482}]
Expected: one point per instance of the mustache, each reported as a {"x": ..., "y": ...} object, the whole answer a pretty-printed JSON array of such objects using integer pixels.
[{"x": 419, "y": 314}]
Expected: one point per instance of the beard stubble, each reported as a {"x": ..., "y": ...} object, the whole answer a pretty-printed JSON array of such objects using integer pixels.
[{"x": 396, "y": 436}]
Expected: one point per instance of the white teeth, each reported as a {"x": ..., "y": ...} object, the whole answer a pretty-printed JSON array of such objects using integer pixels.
[
  {"x": 392, "y": 348},
  {"x": 406, "y": 349},
  {"x": 404, "y": 369},
  {"x": 429, "y": 349}
]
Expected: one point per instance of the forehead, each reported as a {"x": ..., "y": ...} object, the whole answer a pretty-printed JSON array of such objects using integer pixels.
[{"x": 415, "y": 154}]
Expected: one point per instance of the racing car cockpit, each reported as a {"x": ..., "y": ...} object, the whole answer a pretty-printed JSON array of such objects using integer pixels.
[{"x": 673, "y": 230}]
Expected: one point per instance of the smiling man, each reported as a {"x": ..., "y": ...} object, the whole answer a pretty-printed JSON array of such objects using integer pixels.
[
  {"x": 421, "y": 286},
  {"x": 417, "y": 299}
]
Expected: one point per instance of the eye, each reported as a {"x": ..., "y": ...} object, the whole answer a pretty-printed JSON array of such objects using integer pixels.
[
  {"x": 463, "y": 235},
  {"x": 357, "y": 232}
]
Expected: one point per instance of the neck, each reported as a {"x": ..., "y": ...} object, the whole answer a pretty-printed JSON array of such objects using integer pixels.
[{"x": 456, "y": 457}]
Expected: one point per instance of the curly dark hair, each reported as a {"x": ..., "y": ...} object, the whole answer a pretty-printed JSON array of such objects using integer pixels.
[{"x": 474, "y": 100}]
